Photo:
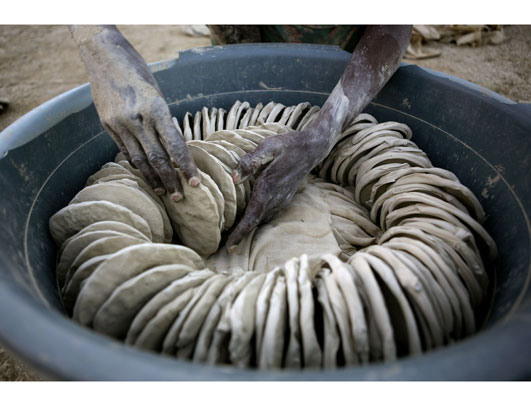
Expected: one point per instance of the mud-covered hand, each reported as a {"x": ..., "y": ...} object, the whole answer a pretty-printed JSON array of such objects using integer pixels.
[
  {"x": 132, "y": 108},
  {"x": 280, "y": 164},
  {"x": 288, "y": 158}
]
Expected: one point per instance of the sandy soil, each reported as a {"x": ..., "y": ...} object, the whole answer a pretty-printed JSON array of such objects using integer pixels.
[
  {"x": 40, "y": 62},
  {"x": 505, "y": 68}
]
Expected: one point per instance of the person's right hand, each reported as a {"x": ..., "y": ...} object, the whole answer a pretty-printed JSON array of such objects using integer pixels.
[{"x": 132, "y": 109}]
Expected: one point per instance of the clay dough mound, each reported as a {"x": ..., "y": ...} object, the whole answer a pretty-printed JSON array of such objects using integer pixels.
[{"x": 380, "y": 255}]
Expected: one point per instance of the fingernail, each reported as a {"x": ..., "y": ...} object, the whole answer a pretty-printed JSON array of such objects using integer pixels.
[
  {"x": 232, "y": 248},
  {"x": 159, "y": 191},
  {"x": 236, "y": 177},
  {"x": 194, "y": 181},
  {"x": 176, "y": 197}
]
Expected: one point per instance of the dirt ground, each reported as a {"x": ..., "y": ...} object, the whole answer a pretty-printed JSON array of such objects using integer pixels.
[{"x": 39, "y": 62}]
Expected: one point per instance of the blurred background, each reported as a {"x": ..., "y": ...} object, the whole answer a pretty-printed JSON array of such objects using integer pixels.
[{"x": 38, "y": 62}]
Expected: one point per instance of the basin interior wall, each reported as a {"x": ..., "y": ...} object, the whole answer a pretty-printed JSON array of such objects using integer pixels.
[{"x": 482, "y": 138}]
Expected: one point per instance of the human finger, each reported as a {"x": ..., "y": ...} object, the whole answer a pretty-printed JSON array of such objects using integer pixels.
[
  {"x": 159, "y": 160},
  {"x": 116, "y": 138},
  {"x": 253, "y": 215},
  {"x": 250, "y": 163},
  {"x": 138, "y": 159},
  {"x": 177, "y": 149}
]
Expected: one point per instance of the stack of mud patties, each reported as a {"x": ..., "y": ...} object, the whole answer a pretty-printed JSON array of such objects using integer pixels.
[{"x": 379, "y": 255}]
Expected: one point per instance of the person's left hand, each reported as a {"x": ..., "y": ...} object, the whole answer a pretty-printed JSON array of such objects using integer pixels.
[{"x": 283, "y": 161}]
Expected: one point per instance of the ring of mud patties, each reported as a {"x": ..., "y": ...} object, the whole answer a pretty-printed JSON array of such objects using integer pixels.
[{"x": 380, "y": 254}]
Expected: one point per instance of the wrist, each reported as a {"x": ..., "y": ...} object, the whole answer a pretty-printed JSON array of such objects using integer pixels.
[
  {"x": 89, "y": 36},
  {"x": 95, "y": 46},
  {"x": 101, "y": 44},
  {"x": 317, "y": 139},
  {"x": 325, "y": 129},
  {"x": 107, "y": 54}
]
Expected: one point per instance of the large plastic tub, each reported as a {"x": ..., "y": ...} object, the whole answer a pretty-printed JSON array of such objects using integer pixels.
[{"x": 483, "y": 138}]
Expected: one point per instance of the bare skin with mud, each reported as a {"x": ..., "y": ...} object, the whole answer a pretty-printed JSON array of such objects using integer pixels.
[
  {"x": 132, "y": 108},
  {"x": 133, "y": 111}
]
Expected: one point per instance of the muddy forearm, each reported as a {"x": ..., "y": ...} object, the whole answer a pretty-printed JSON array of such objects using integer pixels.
[
  {"x": 101, "y": 47},
  {"x": 94, "y": 44},
  {"x": 373, "y": 62}
]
